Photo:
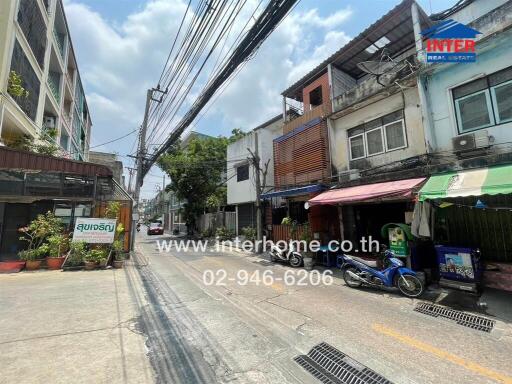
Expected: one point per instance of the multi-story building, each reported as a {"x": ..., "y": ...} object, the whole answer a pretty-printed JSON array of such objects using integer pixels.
[
  {"x": 36, "y": 49},
  {"x": 241, "y": 184}
]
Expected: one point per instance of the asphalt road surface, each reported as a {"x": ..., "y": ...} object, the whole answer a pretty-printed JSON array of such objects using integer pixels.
[{"x": 207, "y": 322}]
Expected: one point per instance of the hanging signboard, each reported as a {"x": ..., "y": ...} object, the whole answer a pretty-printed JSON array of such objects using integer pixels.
[{"x": 94, "y": 231}]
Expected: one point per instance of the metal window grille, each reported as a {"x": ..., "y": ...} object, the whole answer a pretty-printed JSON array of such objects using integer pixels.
[
  {"x": 32, "y": 24},
  {"x": 30, "y": 82}
]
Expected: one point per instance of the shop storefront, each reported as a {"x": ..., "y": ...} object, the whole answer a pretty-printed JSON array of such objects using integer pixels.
[
  {"x": 471, "y": 218},
  {"x": 32, "y": 184},
  {"x": 364, "y": 210},
  {"x": 291, "y": 203}
]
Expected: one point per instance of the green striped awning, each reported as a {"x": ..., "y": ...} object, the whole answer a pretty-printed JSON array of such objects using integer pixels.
[{"x": 484, "y": 181}]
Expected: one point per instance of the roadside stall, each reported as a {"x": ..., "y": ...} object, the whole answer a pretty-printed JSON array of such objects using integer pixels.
[{"x": 470, "y": 213}]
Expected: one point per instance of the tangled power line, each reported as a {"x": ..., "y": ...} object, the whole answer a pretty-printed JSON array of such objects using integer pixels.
[{"x": 203, "y": 34}]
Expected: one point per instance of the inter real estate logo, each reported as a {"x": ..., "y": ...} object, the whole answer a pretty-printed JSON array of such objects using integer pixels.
[{"x": 450, "y": 42}]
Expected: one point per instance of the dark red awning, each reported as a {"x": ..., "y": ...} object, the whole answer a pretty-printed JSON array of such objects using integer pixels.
[{"x": 369, "y": 192}]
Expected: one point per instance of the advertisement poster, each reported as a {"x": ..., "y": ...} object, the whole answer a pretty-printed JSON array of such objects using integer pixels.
[
  {"x": 460, "y": 264},
  {"x": 94, "y": 231}
]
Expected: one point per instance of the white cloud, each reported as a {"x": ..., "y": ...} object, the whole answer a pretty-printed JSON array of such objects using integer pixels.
[
  {"x": 119, "y": 62},
  {"x": 332, "y": 21}
]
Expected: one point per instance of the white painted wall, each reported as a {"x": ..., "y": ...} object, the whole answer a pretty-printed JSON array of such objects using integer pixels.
[
  {"x": 237, "y": 153},
  {"x": 413, "y": 124},
  {"x": 496, "y": 55}
]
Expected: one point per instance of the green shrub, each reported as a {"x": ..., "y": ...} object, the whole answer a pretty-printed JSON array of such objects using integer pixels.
[
  {"x": 28, "y": 254},
  {"x": 207, "y": 233},
  {"x": 223, "y": 234},
  {"x": 77, "y": 254},
  {"x": 249, "y": 233},
  {"x": 57, "y": 244}
]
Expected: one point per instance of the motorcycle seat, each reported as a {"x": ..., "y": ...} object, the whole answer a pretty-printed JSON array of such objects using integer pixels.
[{"x": 369, "y": 263}]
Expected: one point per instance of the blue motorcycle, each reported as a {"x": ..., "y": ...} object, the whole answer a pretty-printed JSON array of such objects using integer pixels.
[{"x": 357, "y": 271}]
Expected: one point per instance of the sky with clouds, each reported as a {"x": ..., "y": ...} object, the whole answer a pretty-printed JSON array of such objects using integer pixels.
[{"x": 121, "y": 47}]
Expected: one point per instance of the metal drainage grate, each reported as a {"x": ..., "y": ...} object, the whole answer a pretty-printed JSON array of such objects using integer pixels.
[
  {"x": 468, "y": 320},
  {"x": 331, "y": 366}
]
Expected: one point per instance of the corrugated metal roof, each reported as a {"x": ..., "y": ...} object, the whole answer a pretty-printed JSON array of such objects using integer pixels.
[
  {"x": 13, "y": 159},
  {"x": 396, "y": 25}
]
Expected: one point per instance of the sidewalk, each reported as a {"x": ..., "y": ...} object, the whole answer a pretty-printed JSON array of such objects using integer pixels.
[{"x": 70, "y": 327}]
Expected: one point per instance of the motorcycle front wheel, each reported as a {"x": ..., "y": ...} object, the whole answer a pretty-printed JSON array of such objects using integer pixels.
[
  {"x": 295, "y": 261},
  {"x": 349, "y": 280},
  {"x": 410, "y": 285}
]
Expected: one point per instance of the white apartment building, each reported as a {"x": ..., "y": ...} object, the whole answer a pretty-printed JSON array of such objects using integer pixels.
[
  {"x": 241, "y": 187},
  {"x": 35, "y": 45}
]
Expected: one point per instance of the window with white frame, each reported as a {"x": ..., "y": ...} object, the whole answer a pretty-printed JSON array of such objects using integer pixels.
[
  {"x": 484, "y": 102},
  {"x": 381, "y": 135}
]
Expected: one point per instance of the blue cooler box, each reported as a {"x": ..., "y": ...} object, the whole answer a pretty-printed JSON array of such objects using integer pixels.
[{"x": 458, "y": 263}]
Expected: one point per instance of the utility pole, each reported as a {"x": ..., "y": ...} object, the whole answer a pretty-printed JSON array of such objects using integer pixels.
[
  {"x": 130, "y": 173},
  {"x": 141, "y": 152},
  {"x": 260, "y": 185}
]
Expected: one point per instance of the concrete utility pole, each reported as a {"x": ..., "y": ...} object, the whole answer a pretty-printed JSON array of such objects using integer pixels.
[
  {"x": 260, "y": 186},
  {"x": 130, "y": 173},
  {"x": 141, "y": 151}
]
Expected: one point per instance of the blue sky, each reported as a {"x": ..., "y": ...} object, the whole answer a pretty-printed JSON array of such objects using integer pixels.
[{"x": 121, "y": 46}]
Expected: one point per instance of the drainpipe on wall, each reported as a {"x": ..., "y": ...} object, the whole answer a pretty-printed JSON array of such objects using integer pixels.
[{"x": 426, "y": 111}]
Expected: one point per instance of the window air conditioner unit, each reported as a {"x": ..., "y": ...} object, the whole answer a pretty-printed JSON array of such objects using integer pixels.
[
  {"x": 49, "y": 122},
  {"x": 471, "y": 141}
]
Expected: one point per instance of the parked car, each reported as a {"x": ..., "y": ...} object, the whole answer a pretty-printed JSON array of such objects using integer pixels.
[{"x": 155, "y": 229}]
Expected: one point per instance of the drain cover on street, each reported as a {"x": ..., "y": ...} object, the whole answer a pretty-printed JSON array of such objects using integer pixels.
[
  {"x": 331, "y": 366},
  {"x": 468, "y": 320}
]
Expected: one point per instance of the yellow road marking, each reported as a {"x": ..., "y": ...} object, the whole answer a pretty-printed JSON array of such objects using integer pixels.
[
  {"x": 278, "y": 287},
  {"x": 442, "y": 354}
]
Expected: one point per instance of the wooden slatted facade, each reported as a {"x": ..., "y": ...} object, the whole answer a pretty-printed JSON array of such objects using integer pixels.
[{"x": 302, "y": 156}]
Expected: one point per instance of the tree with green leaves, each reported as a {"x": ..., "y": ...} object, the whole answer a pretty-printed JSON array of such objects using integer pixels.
[{"x": 196, "y": 174}]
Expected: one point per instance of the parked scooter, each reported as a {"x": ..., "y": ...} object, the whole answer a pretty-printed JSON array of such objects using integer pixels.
[
  {"x": 288, "y": 255},
  {"x": 357, "y": 271}
]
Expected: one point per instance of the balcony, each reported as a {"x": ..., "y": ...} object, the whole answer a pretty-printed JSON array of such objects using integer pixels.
[
  {"x": 320, "y": 111},
  {"x": 60, "y": 39},
  {"x": 54, "y": 85}
]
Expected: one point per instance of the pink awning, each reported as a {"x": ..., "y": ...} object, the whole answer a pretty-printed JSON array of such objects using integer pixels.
[{"x": 370, "y": 192}]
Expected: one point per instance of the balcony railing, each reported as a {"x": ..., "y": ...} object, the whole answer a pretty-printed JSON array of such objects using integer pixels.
[
  {"x": 319, "y": 111},
  {"x": 54, "y": 85},
  {"x": 60, "y": 38}
]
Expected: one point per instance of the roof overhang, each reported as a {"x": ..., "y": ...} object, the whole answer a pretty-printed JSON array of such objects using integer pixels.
[
  {"x": 12, "y": 159},
  {"x": 294, "y": 191}
]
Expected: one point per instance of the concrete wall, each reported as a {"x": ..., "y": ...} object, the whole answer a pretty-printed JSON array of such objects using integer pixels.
[
  {"x": 409, "y": 101},
  {"x": 493, "y": 54},
  {"x": 111, "y": 161},
  {"x": 237, "y": 154}
]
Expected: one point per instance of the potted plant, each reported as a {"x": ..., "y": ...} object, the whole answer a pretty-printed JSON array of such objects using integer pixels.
[
  {"x": 91, "y": 259},
  {"x": 35, "y": 234},
  {"x": 308, "y": 256},
  {"x": 77, "y": 253},
  {"x": 117, "y": 248},
  {"x": 57, "y": 244},
  {"x": 30, "y": 258},
  {"x": 101, "y": 255}
]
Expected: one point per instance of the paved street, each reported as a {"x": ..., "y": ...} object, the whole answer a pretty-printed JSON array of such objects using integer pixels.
[
  {"x": 157, "y": 321},
  {"x": 250, "y": 333}
]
